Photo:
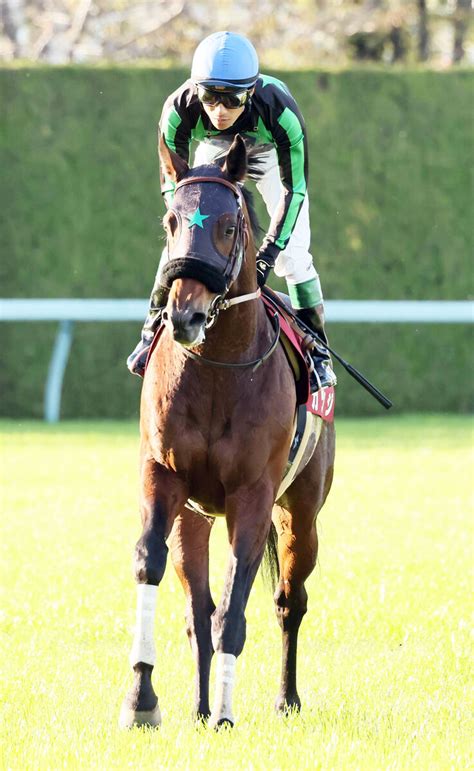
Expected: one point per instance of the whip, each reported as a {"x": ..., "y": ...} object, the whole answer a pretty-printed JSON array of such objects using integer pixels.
[{"x": 353, "y": 372}]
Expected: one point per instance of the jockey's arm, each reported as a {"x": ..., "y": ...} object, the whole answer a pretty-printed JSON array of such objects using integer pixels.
[{"x": 291, "y": 146}]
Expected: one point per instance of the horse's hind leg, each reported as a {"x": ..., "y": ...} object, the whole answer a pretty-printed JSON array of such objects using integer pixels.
[
  {"x": 295, "y": 522},
  {"x": 189, "y": 547},
  {"x": 163, "y": 495},
  {"x": 297, "y": 552}
]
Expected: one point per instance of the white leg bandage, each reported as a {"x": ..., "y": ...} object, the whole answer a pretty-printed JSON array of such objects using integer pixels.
[
  {"x": 225, "y": 678},
  {"x": 143, "y": 647}
]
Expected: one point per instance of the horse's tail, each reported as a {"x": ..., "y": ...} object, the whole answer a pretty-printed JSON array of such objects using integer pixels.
[{"x": 270, "y": 565}]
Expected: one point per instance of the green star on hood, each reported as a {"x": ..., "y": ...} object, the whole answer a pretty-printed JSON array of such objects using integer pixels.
[{"x": 197, "y": 218}]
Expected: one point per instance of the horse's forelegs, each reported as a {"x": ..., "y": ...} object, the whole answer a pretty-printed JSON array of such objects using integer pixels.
[
  {"x": 248, "y": 532},
  {"x": 189, "y": 547},
  {"x": 162, "y": 497},
  {"x": 140, "y": 706},
  {"x": 297, "y": 552}
]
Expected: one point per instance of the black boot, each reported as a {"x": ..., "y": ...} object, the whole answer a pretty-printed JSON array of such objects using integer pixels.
[
  {"x": 323, "y": 374},
  {"x": 137, "y": 359}
]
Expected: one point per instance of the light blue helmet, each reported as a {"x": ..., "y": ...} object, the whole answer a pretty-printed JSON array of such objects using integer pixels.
[{"x": 225, "y": 59}]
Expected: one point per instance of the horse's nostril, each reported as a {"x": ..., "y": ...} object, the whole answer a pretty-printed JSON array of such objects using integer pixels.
[
  {"x": 164, "y": 315},
  {"x": 197, "y": 318}
]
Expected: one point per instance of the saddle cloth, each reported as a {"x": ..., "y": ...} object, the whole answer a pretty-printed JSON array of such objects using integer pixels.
[{"x": 322, "y": 402}]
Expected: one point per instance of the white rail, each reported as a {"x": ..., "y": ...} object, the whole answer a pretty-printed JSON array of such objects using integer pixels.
[{"x": 67, "y": 311}]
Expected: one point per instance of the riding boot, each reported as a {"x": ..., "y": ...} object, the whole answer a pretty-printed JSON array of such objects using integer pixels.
[
  {"x": 137, "y": 359},
  {"x": 322, "y": 374}
]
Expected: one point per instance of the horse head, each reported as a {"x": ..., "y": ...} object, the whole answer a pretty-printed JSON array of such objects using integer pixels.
[{"x": 207, "y": 239}]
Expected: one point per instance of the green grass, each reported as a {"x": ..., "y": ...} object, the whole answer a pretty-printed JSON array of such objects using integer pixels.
[{"x": 384, "y": 649}]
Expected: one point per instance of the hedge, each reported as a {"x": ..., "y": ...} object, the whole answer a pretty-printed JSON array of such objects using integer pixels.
[{"x": 391, "y": 154}]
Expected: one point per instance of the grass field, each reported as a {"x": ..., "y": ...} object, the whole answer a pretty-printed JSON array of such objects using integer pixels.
[{"x": 384, "y": 650}]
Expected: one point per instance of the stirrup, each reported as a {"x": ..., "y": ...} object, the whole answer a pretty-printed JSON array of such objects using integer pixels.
[
  {"x": 137, "y": 359},
  {"x": 321, "y": 374}
]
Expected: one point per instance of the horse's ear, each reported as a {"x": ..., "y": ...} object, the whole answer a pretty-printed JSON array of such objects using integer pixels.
[
  {"x": 236, "y": 160},
  {"x": 172, "y": 164}
]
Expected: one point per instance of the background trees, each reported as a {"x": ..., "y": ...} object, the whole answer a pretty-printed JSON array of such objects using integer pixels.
[{"x": 288, "y": 34}]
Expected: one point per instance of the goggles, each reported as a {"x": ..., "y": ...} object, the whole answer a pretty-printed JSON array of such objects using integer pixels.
[{"x": 231, "y": 100}]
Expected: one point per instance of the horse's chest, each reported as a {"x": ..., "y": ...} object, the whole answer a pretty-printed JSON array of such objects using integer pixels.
[
  {"x": 217, "y": 448},
  {"x": 195, "y": 438},
  {"x": 220, "y": 432}
]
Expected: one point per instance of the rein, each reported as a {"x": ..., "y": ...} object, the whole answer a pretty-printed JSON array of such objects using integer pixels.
[{"x": 255, "y": 363}]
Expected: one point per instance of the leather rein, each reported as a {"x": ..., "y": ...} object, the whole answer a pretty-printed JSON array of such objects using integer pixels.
[{"x": 220, "y": 303}]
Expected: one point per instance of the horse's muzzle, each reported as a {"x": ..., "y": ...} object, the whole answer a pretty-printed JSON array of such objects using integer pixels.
[{"x": 187, "y": 326}]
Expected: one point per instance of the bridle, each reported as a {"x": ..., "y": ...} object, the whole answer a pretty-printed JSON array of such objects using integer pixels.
[
  {"x": 234, "y": 260},
  {"x": 193, "y": 267}
]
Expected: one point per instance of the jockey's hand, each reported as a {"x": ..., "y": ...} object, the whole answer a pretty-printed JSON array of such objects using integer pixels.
[{"x": 265, "y": 264}]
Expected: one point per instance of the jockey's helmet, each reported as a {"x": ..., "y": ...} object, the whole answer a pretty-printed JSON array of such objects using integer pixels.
[{"x": 225, "y": 60}]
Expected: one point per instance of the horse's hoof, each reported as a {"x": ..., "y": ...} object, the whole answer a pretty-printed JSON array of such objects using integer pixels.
[
  {"x": 130, "y": 717},
  {"x": 220, "y": 723},
  {"x": 287, "y": 707},
  {"x": 223, "y": 723},
  {"x": 201, "y": 719}
]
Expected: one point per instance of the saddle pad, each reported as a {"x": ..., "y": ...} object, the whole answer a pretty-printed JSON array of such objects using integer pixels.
[
  {"x": 322, "y": 403},
  {"x": 294, "y": 354}
]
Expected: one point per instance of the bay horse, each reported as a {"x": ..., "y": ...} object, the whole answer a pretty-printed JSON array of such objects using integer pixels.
[{"x": 216, "y": 429}]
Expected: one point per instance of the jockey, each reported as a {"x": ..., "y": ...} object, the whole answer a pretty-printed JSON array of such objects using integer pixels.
[{"x": 226, "y": 96}]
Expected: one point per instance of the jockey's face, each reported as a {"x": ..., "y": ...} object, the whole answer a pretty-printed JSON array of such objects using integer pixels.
[{"x": 222, "y": 117}]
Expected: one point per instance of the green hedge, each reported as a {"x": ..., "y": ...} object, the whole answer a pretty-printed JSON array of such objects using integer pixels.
[{"x": 391, "y": 154}]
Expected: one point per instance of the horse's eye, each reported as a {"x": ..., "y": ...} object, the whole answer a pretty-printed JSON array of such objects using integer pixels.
[{"x": 230, "y": 231}]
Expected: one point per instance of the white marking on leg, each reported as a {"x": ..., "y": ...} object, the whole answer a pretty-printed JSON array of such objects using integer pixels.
[
  {"x": 143, "y": 646},
  {"x": 225, "y": 678}
]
